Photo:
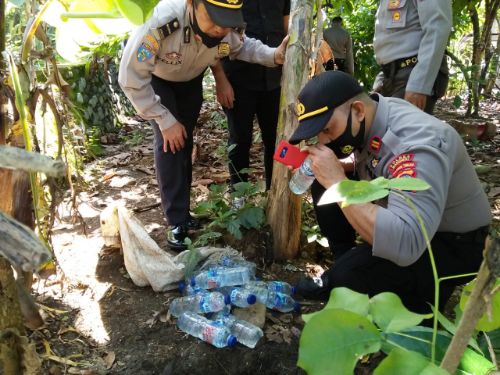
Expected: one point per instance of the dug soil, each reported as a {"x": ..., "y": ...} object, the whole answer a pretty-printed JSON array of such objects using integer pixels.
[{"x": 99, "y": 322}]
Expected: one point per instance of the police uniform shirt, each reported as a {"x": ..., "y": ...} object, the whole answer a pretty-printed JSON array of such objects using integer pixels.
[
  {"x": 264, "y": 21},
  {"x": 177, "y": 56},
  {"x": 406, "y": 28},
  {"x": 340, "y": 42},
  {"x": 406, "y": 142}
]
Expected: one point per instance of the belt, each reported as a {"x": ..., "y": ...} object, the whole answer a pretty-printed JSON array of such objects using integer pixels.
[
  {"x": 391, "y": 68},
  {"x": 477, "y": 235}
]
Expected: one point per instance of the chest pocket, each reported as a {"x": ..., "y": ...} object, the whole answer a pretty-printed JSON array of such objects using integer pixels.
[{"x": 396, "y": 14}]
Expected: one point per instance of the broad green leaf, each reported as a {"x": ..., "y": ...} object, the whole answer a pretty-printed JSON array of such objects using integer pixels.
[
  {"x": 353, "y": 192},
  {"x": 391, "y": 315},
  {"x": 380, "y": 182},
  {"x": 242, "y": 187},
  {"x": 345, "y": 299},
  {"x": 408, "y": 183},
  {"x": 332, "y": 341},
  {"x": 419, "y": 339},
  {"x": 402, "y": 361},
  {"x": 488, "y": 322},
  {"x": 251, "y": 217},
  {"x": 233, "y": 227},
  {"x": 137, "y": 11},
  {"x": 311, "y": 237},
  {"x": 452, "y": 328}
]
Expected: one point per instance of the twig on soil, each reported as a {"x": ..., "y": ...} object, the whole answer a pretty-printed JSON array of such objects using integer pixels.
[{"x": 146, "y": 208}]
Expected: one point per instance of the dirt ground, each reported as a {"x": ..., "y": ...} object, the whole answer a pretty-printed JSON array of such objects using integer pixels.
[{"x": 99, "y": 322}]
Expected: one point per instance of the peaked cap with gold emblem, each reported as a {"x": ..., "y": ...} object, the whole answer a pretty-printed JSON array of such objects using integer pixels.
[
  {"x": 318, "y": 99},
  {"x": 225, "y": 13}
]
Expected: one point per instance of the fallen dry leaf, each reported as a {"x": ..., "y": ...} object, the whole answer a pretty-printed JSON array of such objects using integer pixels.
[{"x": 109, "y": 359}]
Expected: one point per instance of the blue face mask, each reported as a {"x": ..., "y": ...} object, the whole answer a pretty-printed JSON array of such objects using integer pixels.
[
  {"x": 206, "y": 39},
  {"x": 346, "y": 143}
]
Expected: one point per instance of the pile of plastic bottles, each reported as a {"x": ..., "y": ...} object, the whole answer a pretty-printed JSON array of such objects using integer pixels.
[{"x": 205, "y": 309}]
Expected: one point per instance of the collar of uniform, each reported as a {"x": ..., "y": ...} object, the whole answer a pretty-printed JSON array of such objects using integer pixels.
[{"x": 380, "y": 121}]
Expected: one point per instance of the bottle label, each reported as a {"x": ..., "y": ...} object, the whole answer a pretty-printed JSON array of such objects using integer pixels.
[
  {"x": 208, "y": 333},
  {"x": 279, "y": 301}
]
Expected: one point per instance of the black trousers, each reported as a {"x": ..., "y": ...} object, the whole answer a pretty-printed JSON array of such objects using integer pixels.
[
  {"x": 247, "y": 104},
  {"x": 174, "y": 171},
  {"x": 341, "y": 65},
  {"x": 356, "y": 268}
]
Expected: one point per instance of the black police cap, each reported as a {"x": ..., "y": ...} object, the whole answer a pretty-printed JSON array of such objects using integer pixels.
[{"x": 225, "y": 13}]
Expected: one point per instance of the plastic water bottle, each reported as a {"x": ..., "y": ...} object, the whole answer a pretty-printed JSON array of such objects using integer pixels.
[
  {"x": 258, "y": 289},
  {"x": 281, "y": 302},
  {"x": 198, "y": 303},
  {"x": 302, "y": 178},
  {"x": 221, "y": 276},
  {"x": 213, "y": 332},
  {"x": 273, "y": 286},
  {"x": 247, "y": 333},
  {"x": 232, "y": 262},
  {"x": 241, "y": 297},
  {"x": 188, "y": 290}
]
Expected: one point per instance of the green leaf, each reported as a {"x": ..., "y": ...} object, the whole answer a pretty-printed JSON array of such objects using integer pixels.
[
  {"x": 17, "y": 3},
  {"x": 233, "y": 227},
  {"x": 353, "y": 192},
  {"x": 242, "y": 187},
  {"x": 408, "y": 183},
  {"x": 136, "y": 11},
  {"x": 491, "y": 319},
  {"x": 251, "y": 217},
  {"x": 345, "y": 299},
  {"x": 406, "y": 362},
  {"x": 457, "y": 101},
  {"x": 391, "y": 315},
  {"x": 247, "y": 170},
  {"x": 333, "y": 340}
]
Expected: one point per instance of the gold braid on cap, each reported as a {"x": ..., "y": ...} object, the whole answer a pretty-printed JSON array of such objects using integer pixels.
[
  {"x": 231, "y": 4},
  {"x": 313, "y": 113}
]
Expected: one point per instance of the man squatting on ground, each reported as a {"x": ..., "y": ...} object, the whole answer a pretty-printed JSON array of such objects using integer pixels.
[
  {"x": 391, "y": 138},
  {"x": 161, "y": 72}
]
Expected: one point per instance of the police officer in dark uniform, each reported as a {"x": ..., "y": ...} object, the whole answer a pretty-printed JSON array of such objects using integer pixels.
[
  {"x": 161, "y": 72},
  {"x": 391, "y": 138},
  {"x": 256, "y": 88}
]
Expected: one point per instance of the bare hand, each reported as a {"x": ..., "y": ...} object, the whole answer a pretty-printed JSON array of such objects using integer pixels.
[
  {"x": 279, "y": 53},
  {"x": 225, "y": 93},
  {"x": 173, "y": 138},
  {"x": 418, "y": 100},
  {"x": 327, "y": 168}
]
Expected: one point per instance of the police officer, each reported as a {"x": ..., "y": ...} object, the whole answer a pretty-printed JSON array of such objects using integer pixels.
[
  {"x": 161, "y": 73},
  {"x": 410, "y": 41},
  {"x": 340, "y": 42},
  {"x": 256, "y": 89},
  {"x": 391, "y": 138}
]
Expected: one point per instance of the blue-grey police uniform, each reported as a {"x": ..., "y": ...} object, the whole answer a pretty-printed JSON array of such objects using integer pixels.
[
  {"x": 409, "y": 43},
  {"x": 340, "y": 42},
  {"x": 161, "y": 73},
  {"x": 403, "y": 142}
]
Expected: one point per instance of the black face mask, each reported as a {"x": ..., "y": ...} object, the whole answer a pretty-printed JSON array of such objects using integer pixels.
[
  {"x": 345, "y": 144},
  {"x": 206, "y": 39}
]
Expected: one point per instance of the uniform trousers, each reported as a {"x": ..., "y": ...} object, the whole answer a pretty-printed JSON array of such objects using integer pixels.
[
  {"x": 356, "y": 268},
  {"x": 395, "y": 86},
  {"x": 248, "y": 104},
  {"x": 174, "y": 171},
  {"x": 341, "y": 65}
]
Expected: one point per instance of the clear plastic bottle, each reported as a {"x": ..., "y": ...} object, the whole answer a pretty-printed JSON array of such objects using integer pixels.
[
  {"x": 247, "y": 333},
  {"x": 281, "y": 302},
  {"x": 221, "y": 276},
  {"x": 241, "y": 297},
  {"x": 198, "y": 303},
  {"x": 227, "y": 261},
  {"x": 273, "y": 286},
  {"x": 188, "y": 290},
  {"x": 258, "y": 289},
  {"x": 302, "y": 178},
  {"x": 213, "y": 332}
]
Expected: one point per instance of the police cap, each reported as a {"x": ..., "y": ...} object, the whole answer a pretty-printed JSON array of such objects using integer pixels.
[{"x": 225, "y": 13}]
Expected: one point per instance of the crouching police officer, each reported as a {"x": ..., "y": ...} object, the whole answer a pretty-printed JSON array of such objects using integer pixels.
[
  {"x": 393, "y": 139},
  {"x": 161, "y": 73}
]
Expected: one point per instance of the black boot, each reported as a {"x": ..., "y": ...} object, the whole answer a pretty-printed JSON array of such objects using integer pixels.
[
  {"x": 316, "y": 288},
  {"x": 176, "y": 235}
]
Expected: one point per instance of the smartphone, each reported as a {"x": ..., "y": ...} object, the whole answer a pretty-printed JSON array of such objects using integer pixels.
[{"x": 289, "y": 154}]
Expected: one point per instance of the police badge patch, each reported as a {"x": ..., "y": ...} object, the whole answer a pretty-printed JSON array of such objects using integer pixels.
[{"x": 223, "y": 49}]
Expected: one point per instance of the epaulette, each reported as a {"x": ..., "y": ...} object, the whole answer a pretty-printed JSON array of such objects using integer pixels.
[{"x": 163, "y": 31}]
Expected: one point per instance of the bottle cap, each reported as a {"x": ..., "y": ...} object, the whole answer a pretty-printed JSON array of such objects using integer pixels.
[
  {"x": 296, "y": 307},
  {"x": 294, "y": 290},
  {"x": 193, "y": 282},
  {"x": 227, "y": 299},
  {"x": 251, "y": 299},
  {"x": 182, "y": 286},
  {"x": 231, "y": 341}
]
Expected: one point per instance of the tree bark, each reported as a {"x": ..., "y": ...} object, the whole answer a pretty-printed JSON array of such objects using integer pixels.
[
  {"x": 473, "y": 105},
  {"x": 283, "y": 211},
  {"x": 476, "y": 306}
]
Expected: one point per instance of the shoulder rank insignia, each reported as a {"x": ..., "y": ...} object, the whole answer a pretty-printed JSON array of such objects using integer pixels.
[
  {"x": 148, "y": 48},
  {"x": 223, "y": 49},
  {"x": 394, "y": 4},
  {"x": 375, "y": 144},
  {"x": 163, "y": 31}
]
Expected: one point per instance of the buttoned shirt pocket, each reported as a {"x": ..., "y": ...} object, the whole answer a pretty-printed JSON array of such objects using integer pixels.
[{"x": 396, "y": 14}]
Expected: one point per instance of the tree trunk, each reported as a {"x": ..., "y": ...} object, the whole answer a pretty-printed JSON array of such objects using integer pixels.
[
  {"x": 283, "y": 209},
  {"x": 473, "y": 105},
  {"x": 492, "y": 74},
  {"x": 490, "y": 16}
]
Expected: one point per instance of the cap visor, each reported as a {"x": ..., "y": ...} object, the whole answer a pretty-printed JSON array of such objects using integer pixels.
[
  {"x": 310, "y": 127},
  {"x": 232, "y": 18}
]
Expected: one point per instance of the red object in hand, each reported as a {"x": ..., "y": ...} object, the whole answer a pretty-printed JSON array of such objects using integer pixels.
[{"x": 289, "y": 154}]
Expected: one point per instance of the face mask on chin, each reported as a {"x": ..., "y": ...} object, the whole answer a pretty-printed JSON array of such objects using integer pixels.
[
  {"x": 206, "y": 39},
  {"x": 346, "y": 143}
]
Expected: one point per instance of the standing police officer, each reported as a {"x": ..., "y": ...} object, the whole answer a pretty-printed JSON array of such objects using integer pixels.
[
  {"x": 340, "y": 42},
  {"x": 161, "y": 73},
  {"x": 393, "y": 139},
  {"x": 410, "y": 42},
  {"x": 256, "y": 88}
]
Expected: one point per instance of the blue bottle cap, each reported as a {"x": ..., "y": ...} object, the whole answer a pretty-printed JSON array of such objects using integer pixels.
[
  {"x": 251, "y": 299},
  {"x": 193, "y": 282},
  {"x": 227, "y": 299},
  {"x": 231, "y": 341},
  {"x": 296, "y": 307},
  {"x": 294, "y": 290},
  {"x": 182, "y": 286}
]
